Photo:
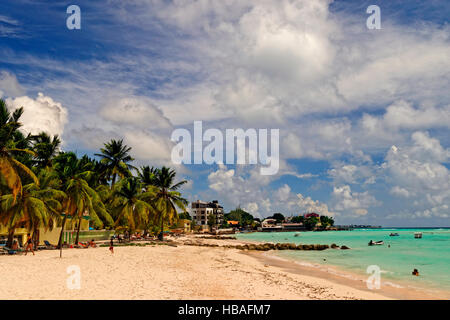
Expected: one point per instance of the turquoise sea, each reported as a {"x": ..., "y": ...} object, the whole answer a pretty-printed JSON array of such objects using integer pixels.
[{"x": 430, "y": 255}]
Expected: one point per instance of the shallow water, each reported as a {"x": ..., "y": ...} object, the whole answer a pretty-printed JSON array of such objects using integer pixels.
[{"x": 430, "y": 255}]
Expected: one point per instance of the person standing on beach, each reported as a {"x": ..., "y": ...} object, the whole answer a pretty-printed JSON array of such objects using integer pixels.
[
  {"x": 111, "y": 246},
  {"x": 29, "y": 245}
]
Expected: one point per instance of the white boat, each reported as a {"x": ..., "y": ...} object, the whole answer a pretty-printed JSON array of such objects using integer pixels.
[
  {"x": 418, "y": 235},
  {"x": 376, "y": 243}
]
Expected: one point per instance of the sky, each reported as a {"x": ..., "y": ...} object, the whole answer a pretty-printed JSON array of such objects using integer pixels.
[{"x": 363, "y": 114}]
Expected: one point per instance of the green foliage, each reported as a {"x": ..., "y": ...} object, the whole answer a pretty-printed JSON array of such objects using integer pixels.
[
  {"x": 184, "y": 215},
  {"x": 240, "y": 215},
  {"x": 311, "y": 222},
  {"x": 298, "y": 219},
  {"x": 326, "y": 221},
  {"x": 212, "y": 221},
  {"x": 277, "y": 216}
]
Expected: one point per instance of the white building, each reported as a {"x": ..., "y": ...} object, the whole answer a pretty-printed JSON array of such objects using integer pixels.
[{"x": 201, "y": 210}]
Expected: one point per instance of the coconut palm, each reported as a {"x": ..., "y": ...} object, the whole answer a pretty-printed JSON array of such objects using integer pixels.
[
  {"x": 116, "y": 159},
  {"x": 45, "y": 148},
  {"x": 10, "y": 168},
  {"x": 81, "y": 198},
  {"x": 131, "y": 205},
  {"x": 33, "y": 208},
  {"x": 167, "y": 198},
  {"x": 147, "y": 175}
]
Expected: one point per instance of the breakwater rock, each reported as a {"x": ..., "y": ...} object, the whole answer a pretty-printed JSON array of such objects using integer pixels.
[
  {"x": 217, "y": 237},
  {"x": 269, "y": 246}
]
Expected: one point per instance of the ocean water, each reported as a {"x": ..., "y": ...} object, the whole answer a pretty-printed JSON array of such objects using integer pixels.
[{"x": 430, "y": 255}]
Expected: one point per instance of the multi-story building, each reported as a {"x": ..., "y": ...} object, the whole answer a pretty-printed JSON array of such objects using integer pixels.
[{"x": 201, "y": 210}]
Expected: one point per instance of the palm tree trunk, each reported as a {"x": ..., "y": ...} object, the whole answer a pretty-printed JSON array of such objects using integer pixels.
[
  {"x": 162, "y": 227},
  {"x": 9, "y": 243},
  {"x": 62, "y": 231},
  {"x": 78, "y": 231}
]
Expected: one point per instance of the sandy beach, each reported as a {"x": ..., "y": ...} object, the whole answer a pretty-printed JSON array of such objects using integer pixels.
[{"x": 169, "y": 272}]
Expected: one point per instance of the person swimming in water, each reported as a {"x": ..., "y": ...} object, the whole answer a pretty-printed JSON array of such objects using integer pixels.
[{"x": 415, "y": 272}]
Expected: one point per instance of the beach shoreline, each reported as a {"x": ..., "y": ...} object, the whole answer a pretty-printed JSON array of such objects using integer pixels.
[
  {"x": 390, "y": 289},
  {"x": 175, "y": 272}
]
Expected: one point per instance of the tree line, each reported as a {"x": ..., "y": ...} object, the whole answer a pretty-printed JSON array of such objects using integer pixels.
[{"x": 42, "y": 186}]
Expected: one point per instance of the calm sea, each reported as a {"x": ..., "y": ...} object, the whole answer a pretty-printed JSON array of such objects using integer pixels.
[{"x": 430, "y": 255}]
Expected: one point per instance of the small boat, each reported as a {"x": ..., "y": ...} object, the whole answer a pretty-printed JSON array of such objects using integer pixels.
[
  {"x": 418, "y": 235},
  {"x": 376, "y": 243},
  {"x": 394, "y": 234}
]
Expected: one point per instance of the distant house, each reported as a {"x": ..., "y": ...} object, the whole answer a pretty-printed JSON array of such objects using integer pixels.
[
  {"x": 271, "y": 225},
  {"x": 184, "y": 224},
  {"x": 233, "y": 223}
]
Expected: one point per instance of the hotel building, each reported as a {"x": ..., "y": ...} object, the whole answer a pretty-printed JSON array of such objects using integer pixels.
[{"x": 201, "y": 210}]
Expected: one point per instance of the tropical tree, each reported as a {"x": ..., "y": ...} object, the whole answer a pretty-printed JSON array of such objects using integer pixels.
[
  {"x": 46, "y": 148},
  {"x": 147, "y": 175},
  {"x": 298, "y": 219},
  {"x": 277, "y": 216},
  {"x": 326, "y": 221},
  {"x": 167, "y": 199},
  {"x": 35, "y": 207},
  {"x": 116, "y": 159},
  {"x": 10, "y": 168},
  {"x": 131, "y": 206},
  {"x": 81, "y": 198},
  {"x": 240, "y": 215},
  {"x": 311, "y": 222},
  {"x": 212, "y": 221}
]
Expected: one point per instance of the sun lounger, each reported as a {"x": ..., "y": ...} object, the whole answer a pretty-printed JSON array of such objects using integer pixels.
[
  {"x": 13, "y": 251},
  {"x": 50, "y": 246}
]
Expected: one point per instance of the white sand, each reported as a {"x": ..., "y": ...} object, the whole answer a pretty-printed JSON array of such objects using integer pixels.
[{"x": 161, "y": 272}]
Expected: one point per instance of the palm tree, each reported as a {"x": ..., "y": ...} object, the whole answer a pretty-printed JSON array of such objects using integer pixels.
[
  {"x": 81, "y": 198},
  {"x": 115, "y": 157},
  {"x": 131, "y": 205},
  {"x": 45, "y": 148},
  {"x": 147, "y": 175},
  {"x": 11, "y": 168},
  {"x": 167, "y": 198},
  {"x": 34, "y": 208}
]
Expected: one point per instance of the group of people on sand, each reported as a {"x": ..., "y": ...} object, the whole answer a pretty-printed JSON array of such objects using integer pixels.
[
  {"x": 88, "y": 244},
  {"x": 29, "y": 245}
]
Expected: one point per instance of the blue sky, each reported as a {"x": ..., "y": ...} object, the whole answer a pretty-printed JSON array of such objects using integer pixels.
[{"x": 363, "y": 114}]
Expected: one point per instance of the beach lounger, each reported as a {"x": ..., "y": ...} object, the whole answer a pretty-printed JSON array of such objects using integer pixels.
[
  {"x": 50, "y": 246},
  {"x": 13, "y": 251}
]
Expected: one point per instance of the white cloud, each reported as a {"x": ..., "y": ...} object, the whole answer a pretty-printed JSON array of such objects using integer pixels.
[
  {"x": 401, "y": 192},
  {"x": 9, "y": 86},
  {"x": 40, "y": 114},
  {"x": 419, "y": 170},
  {"x": 306, "y": 204},
  {"x": 135, "y": 111},
  {"x": 348, "y": 202}
]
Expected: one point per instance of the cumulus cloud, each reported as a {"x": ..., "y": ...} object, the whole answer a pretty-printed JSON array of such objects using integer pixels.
[
  {"x": 135, "y": 111},
  {"x": 419, "y": 169},
  {"x": 9, "y": 86},
  {"x": 306, "y": 204},
  {"x": 336, "y": 91},
  {"x": 40, "y": 114},
  {"x": 349, "y": 202}
]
